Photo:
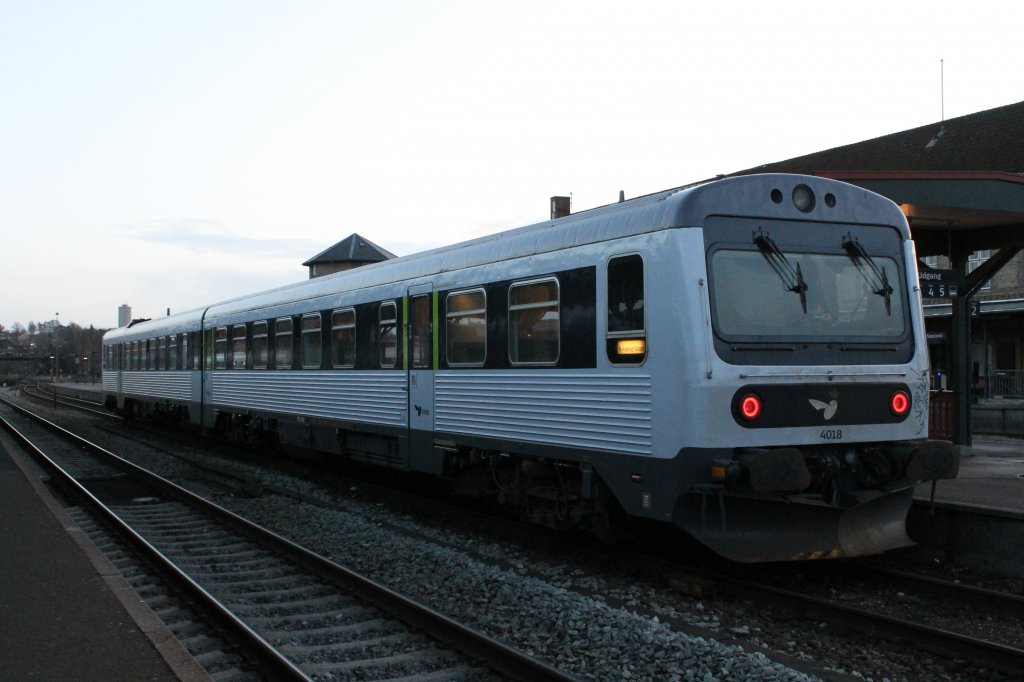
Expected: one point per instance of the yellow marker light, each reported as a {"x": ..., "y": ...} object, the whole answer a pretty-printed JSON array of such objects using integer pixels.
[
  {"x": 718, "y": 472},
  {"x": 631, "y": 347}
]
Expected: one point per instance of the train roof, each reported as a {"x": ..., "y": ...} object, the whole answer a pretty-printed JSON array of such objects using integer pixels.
[
  {"x": 178, "y": 323},
  {"x": 679, "y": 207}
]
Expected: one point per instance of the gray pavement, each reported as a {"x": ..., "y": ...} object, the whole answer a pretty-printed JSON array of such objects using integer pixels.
[{"x": 991, "y": 475}]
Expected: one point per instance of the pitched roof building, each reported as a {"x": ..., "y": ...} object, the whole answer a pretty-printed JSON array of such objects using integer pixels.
[{"x": 351, "y": 252}]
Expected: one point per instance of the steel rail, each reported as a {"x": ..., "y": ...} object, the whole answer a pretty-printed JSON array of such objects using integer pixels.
[
  {"x": 1004, "y": 601},
  {"x": 276, "y": 665},
  {"x": 55, "y": 397},
  {"x": 498, "y": 656},
  {"x": 945, "y": 643}
]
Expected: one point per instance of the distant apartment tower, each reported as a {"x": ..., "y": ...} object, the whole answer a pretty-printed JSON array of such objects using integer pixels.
[{"x": 124, "y": 315}]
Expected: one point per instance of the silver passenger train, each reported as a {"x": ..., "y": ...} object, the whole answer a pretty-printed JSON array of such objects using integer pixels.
[{"x": 743, "y": 358}]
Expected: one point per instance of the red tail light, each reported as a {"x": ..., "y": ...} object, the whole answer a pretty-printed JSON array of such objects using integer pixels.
[
  {"x": 899, "y": 403},
  {"x": 750, "y": 407}
]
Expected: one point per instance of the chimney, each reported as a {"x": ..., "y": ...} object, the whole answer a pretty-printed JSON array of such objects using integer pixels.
[{"x": 560, "y": 207}]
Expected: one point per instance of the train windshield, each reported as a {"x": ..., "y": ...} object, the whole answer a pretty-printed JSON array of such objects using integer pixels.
[{"x": 771, "y": 293}]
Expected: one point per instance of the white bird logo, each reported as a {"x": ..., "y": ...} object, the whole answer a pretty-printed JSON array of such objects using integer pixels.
[{"x": 829, "y": 408}]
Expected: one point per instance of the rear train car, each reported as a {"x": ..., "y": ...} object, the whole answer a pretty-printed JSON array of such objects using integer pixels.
[{"x": 744, "y": 359}]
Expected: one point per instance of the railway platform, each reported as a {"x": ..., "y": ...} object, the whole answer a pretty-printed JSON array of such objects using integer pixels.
[
  {"x": 65, "y": 612},
  {"x": 991, "y": 475}
]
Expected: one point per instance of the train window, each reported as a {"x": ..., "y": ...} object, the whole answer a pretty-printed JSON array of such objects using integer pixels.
[
  {"x": 220, "y": 348},
  {"x": 148, "y": 353},
  {"x": 420, "y": 348},
  {"x": 533, "y": 322},
  {"x": 627, "y": 332},
  {"x": 238, "y": 346},
  {"x": 185, "y": 357},
  {"x": 466, "y": 337},
  {"x": 197, "y": 350},
  {"x": 838, "y": 301},
  {"x": 343, "y": 338},
  {"x": 312, "y": 346},
  {"x": 283, "y": 343},
  {"x": 260, "y": 347},
  {"x": 387, "y": 335},
  {"x": 161, "y": 353},
  {"x": 172, "y": 352}
]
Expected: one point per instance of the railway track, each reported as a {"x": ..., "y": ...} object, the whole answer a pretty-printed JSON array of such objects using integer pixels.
[
  {"x": 299, "y": 615},
  {"x": 48, "y": 395},
  {"x": 978, "y": 627},
  {"x": 963, "y": 651}
]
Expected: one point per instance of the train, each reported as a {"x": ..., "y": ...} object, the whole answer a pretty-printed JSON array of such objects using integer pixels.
[{"x": 743, "y": 358}]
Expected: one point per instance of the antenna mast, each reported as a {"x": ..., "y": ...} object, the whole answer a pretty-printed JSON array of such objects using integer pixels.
[{"x": 942, "y": 88}]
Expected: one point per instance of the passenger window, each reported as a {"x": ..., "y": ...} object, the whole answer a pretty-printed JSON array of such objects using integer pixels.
[
  {"x": 207, "y": 335},
  {"x": 343, "y": 338},
  {"x": 186, "y": 359},
  {"x": 627, "y": 332},
  {"x": 533, "y": 322},
  {"x": 161, "y": 352},
  {"x": 260, "y": 349},
  {"x": 172, "y": 352},
  {"x": 387, "y": 335},
  {"x": 238, "y": 346},
  {"x": 421, "y": 332},
  {"x": 466, "y": 335},
  {"x": 312, "y": 347},
  {"x": 220, "y": 348},
  {"x": 283, "y": 343}
]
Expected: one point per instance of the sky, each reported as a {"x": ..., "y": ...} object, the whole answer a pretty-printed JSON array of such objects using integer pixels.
[{"x": 169, "y": 155}]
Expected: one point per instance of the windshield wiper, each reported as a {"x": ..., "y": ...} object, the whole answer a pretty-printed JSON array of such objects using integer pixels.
[
  {"x": 792, "y": 278},
  {"x": 877, "y": 279}
]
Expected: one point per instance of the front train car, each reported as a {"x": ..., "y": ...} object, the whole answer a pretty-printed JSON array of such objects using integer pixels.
[{"x": 805, "y": 417}]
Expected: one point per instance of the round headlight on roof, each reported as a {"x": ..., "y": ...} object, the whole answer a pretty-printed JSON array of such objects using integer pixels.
[{"x": 803, "y": 198}]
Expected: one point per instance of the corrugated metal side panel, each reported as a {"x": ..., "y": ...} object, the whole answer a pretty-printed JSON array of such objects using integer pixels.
[
  {"x": 110, "y": 381},
  {"x": 598, "y": 411},
  {"x": 174, "y": 385},
  {"x": 375, "y": 397}
]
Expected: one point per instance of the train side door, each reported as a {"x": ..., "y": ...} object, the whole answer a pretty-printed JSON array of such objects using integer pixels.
[{"x": 421, "y": 342}]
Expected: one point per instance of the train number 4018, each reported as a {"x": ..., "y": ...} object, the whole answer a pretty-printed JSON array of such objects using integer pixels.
[{"x": 832, "y": 434}]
